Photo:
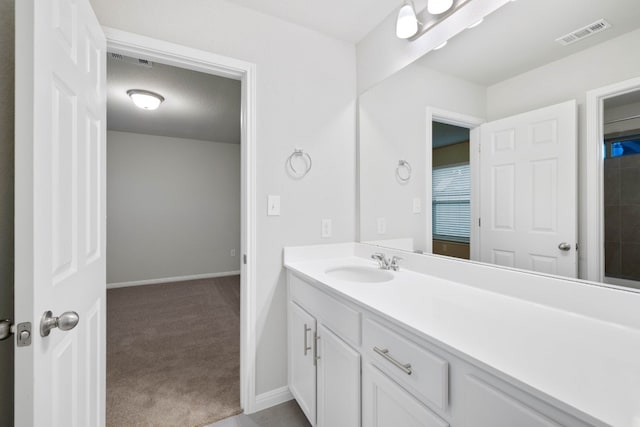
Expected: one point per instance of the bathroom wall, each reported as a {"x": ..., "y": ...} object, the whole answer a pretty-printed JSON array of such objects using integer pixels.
[
  {"x": 388, "y": 135},
  {"x": 173, "y": 207},
  {"x": 6, "y": 205},
  {"x": 569, "y": 78},
  {"x": 305, "y": 98}
]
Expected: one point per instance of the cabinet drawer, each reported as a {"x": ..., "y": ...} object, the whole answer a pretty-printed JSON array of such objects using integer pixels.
[
  {"x": 338, "y": 317},
  {"x": 418, "y": 370}
]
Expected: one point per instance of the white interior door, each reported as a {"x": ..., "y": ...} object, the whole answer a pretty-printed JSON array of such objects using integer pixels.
[
  {"x": 60, "y": 212},
  {"x": 528, "y": 191}
]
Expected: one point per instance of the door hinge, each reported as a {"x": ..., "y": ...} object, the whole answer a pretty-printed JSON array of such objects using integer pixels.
[
  {"x": 479, "y": 222},
  {"x": 244, "y": 258}
]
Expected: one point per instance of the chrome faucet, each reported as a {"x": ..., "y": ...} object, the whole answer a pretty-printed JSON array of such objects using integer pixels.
[{"x": 385, "y": 263}]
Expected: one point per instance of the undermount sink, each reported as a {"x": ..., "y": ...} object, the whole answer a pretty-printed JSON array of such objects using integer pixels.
[{"x": 355, "y": 273}]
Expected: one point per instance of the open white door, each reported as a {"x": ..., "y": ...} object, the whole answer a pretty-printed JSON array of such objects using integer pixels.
[
  {"x": 528, "y": 191},
  {"x": 60, "y": 213}
]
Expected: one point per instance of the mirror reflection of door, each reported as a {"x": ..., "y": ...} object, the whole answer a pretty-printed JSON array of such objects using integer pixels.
[
  {"x": 621, "y": 191},
  {"x": 451, "y": 191}
]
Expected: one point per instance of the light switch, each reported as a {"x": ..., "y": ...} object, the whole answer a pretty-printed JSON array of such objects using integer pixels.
[
  {"x": 382, "y": 225},
  {"x": 273, "y": 205},
  {"x": 326, "y": 228},
  {"x": 417, "y": 205}
]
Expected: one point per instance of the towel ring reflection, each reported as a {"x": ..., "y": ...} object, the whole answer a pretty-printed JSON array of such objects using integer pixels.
[
  {"x": 299, "y": 152},
  {"x": 403, "y": 171}
]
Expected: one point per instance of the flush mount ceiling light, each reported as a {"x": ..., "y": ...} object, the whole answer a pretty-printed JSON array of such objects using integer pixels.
[
  {"x": 436, "y": 7},
  {"x": 407, "y": 22},
  {"x": 145, "y": 99}
]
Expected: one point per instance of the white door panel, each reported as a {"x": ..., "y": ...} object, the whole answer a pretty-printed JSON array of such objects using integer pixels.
[
  {"x": 302, "y": 366},
  {"x": 338, "y": 376},
  {"x": 528, "y": 190},
  {"x": 60, "y": 211}
]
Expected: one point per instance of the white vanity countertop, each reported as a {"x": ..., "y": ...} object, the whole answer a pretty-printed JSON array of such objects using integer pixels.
[{"x": 588, "y": 363}]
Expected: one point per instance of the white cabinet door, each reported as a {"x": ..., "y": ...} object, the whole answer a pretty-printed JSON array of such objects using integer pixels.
[
  {"x": 302, "y": 366},
  {"x": 338, "y": 381},
  {"x": 60, "y": 94},
  {"x": 529, "y": 190},
  {"x": 386, "y": 404}
]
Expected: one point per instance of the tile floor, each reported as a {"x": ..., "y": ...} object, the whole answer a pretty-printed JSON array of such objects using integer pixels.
[{"x": 287, "y": 414}]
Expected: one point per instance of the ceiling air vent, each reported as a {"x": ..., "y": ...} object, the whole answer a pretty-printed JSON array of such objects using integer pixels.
[
  {"x": 130, "y": 60},
  {"x": 584, "y": 32}
]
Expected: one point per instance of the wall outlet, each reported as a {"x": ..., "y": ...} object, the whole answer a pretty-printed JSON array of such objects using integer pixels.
[
  {"x": 273, "y": 205},
  {"x": 326, "y": 228},
  {"x": 232, "y": 252},
  {"x": 382, "y": 225},
  {"x": 417, "y": 205}
]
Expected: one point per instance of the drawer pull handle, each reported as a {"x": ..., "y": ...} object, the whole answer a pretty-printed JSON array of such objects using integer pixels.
[
  {"x": 306, "y": 345},
  {"x": 384, "y": 352}
]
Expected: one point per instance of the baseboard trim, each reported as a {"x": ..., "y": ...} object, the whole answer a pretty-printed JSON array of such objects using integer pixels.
[
  {"x": 272, "y": 398},
  {"x": 171, "y": 279}
]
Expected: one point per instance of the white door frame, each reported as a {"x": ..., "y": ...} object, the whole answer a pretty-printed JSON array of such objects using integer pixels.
[
  {"x": 595, "y": 173},
  {"x": 198, "y": 60},
  {"x": 473, "y": 124}
]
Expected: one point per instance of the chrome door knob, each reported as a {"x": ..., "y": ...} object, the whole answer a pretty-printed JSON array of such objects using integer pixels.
[
  {"x": 66, "y": 321},
  {"x": 564, "y": 246}
]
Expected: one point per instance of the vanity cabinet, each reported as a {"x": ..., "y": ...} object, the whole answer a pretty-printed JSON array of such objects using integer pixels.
[
  {"x": 346, "y": 362},
  {"x": 324, "y": 370}
]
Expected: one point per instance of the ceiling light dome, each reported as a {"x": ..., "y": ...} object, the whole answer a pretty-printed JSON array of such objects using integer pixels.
[
  {"x": 436, "y": 7},
  {"x": 407, "y": 23},
  {"x": 145, "y": 99}
]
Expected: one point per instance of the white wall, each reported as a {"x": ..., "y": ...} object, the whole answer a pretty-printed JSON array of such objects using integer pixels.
[
  {"x": 173, "y": 207},
  {"x": 569, "y": 78},
  {"x": 392, "y": 126},
  {"x": 305, "y": 98},
  {"x": 6, "y": 205}
]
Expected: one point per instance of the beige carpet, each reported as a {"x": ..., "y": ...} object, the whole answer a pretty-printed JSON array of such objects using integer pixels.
[{"x": 173, "y": 353}]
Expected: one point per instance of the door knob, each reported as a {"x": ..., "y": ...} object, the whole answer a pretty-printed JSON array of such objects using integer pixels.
[
  {"x": 564, "y": 246},
  {"x": 66, "y": 321}
]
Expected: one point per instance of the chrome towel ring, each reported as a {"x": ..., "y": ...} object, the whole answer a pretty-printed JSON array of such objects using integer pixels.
[
  {"x": 299, "y": 152},
  {"x": 403, "y": 171}
]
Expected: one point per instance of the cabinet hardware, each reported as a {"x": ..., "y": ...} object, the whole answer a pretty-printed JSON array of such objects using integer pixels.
[
  {"x": 316, "y": 338},
  {"x": 306, "y": 344},
  {"x": 384, "y": 352}
]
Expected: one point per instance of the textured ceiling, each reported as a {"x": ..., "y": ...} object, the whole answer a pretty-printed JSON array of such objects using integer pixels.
[
  {"x": 197, "y": 105},
  {"x": 521, "y": 36}
]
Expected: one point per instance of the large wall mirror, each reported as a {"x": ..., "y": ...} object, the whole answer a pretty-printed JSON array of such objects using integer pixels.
[{"x": 479, "y": 150}]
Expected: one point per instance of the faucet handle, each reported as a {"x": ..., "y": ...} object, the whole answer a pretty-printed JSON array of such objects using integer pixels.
[
  {"x": 382, "y": 260},
  {"x": 395, "y": 263}
]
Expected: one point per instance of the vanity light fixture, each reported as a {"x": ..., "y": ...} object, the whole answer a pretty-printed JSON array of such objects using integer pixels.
[
  {"x": 436, "y": 7},
  {"x": 145, "y": 99},
  {"x": 407, "y": 22}
]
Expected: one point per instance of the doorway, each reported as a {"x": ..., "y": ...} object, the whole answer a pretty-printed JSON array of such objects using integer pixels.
[
  {"x": 136, "y": 46},
  {"x": 173, "y": 243},
  {"x": 613, "y": 99},
  {"x": 452, "y": 158},
  {"x": 451, "y": 190},
  {"x": 621, "y": 138}
]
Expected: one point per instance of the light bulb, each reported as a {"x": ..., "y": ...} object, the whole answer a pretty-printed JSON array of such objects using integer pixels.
[
  {"x": 407, "y": 23},
  {"x": 436, "y": 7}
]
